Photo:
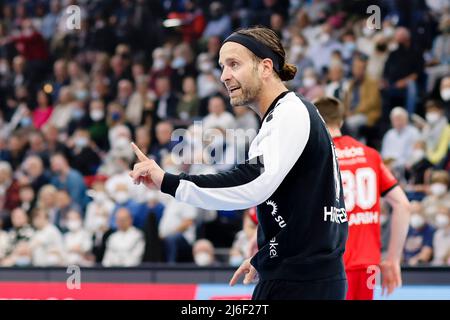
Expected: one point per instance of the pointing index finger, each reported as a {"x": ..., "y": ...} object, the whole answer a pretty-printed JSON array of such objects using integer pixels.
[{"x": 141, "y": 156}]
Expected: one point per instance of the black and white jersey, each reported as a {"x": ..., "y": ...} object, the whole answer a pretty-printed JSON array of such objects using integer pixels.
[{"x": 292, "y": 175}]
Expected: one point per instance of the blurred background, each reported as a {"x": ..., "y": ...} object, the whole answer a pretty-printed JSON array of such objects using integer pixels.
[{"x": 73, "y": 98}]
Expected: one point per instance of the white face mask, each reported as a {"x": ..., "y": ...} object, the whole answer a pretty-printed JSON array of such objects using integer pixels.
[
  {"x": 388, "y": 32},
  {"x": 202, "y": 259},
  {"x": 417, "y": 155},
  {"x": 445, "y": 94},
  {"x": 432, "y": 117},
  {"x": 97, "y": 114},
  {"x": 324, "y": 37},
  {"x": 23, "y": 261},
  {"x": 206, "y": 67},
  {"x": 442, "y": 220},
  {"x": 99, "y": 222},
  {"x": 74, "y": 225},
  {"x": 121, "y": 143},
  {"x": 159, "y": 64},
  {"x": 121, "y": 197},
  {"x": 81, "y": 142},
  {"x": 438, "y": 189},
  {"x": 309, "y": 82},
  {"x": 100, "y": 197},
  {"x": 417, "y": 221}
]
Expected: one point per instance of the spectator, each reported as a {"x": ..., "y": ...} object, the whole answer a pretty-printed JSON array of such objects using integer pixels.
[
  {"x": 77, "y": 241},
  {"x": 378, "y": 57},
  {"x": 441, "y": 239},
  {"x": 47, "y": 243},
  {"x": 60, "y": 78},
  {"x": 47, "y": 200},
  {"x": 182, "y": 65},
  {"x": 52, "y": 140},
  {"x": 38, "y": 147},
  {"x": 166, "y": 103},
  {"x": 83, "y": 157},
  {"x": 402, "y": 69},
  {"x": 64, "y": 204},
  {"x": 125, "y": 247},
  {"x": 208, "y": 81},
  {"x": 419, "y": 241},
  {"x": 438, "y": 63},
  {"x": 160, "y": 67},
  {"x": 98, "y": 128},
  {"x": 143, "y": 139},
  {"x": 241, "y": 248},
  {"x": 27, "y": 198},
  {"x": 99, "y": 209},
  {"x": 417, "y": 166},
  {"x": 164, "y": 144},
  {"x": 398, "y": 142},
  {"x": 62, "y": 114},
  {"x": 140, "y": 100},
  {"x": 444, "y": 94},
  {"x": 436, "y": 134},
  {"x": 65, "y": 177},
  {"x": 335, "y": 85},
  {"x": 188, "y": 105},
  {"x": 21, "y": 231},
  {"x": 361, "y": 99},
  {"x": 298, "y": 56},
  {"x": 4, "y": 242},
  {"x": 43, "y": 111},
  {"x": 9, "y": 190},
  {"x": 33, "y": 173},
  {"x": 218, "y": 116},
  {"x": 177, "y": 230},
  {"x": 219, "y": 23},
  {"x": 311, "y": 89},
  {"x": 203, "y": 253}
]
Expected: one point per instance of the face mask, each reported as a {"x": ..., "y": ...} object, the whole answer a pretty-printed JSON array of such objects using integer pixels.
[
  {"x": 349, "y": 47},
  {"x": 81, "y": 142},
  {"x": 115, "y": 116},
  {"x": 416, "y": 221},
  {"x": 388, "y": 32},
  {"x": 4, "y": 69},
  {"x": 309, "y": 82},
  {"x": 393, "y": 46},
  {"x": 97, "y": 115},
  {"x": 324, "y": 37},
  {"x": 206, "y": 67},
  {"x": 432, "y": 117},
  {"x": 438, "y": 189},
  {"x": 445, "y": 94},
  {"x": 202, "y": 259},
  {"x": 100, "y": 197},
  {"x": 158, "y": 64},
  {"x": 417, "y": 155},
  {"x": 442, "y": 220},
  {"x": 152, "y": 195},
  {"x": 77, "y": 114},
  {"x": 367, "y": 32},
  {"x": 121, "y": 197},
  {"x": 236, "y": 261},
  {"x": 23, "y": 261},
  {"x": 296, "y": 51},
  {"x": 178, "y": 63},
  {"x": 25, "y": 122},
  {"x": 73, "y": 225},
  {"x": 81, "y": 94},
  {"x": 99, "y": 222},
  {"x": 121, "y": 143}
]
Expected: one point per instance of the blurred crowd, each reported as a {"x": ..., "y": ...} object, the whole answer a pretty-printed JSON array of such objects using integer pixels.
[{"x": 74, "y": 96}]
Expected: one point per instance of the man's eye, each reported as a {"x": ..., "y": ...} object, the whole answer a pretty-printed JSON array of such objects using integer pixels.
[{"x": 234, "y": 64}]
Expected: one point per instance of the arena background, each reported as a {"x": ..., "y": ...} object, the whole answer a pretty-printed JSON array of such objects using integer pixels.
[{"x": 80, "y": 80}]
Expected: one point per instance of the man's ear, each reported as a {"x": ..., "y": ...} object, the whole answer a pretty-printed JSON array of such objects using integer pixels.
[{"x": 267, "y": 65}]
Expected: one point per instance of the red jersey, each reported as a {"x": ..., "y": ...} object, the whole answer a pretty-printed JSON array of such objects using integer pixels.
[{"x": 364, "y": 179}]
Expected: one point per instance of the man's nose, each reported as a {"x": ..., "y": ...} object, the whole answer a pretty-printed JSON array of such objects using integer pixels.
[{"x": 225, "y": 76}]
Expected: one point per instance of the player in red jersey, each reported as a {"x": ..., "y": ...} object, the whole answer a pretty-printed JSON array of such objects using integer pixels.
[{"x": 365, "y": 179}]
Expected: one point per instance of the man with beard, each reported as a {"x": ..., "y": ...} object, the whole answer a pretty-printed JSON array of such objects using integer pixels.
[{"x": 291, "y": 174}]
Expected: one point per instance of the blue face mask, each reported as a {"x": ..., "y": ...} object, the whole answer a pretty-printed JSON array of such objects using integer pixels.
[
  {"x": 77, "y": 114},
  {"x": 178, "y": 63},
  {"x": 25, "y": 122},
  {"x": 81, "y": 94}
]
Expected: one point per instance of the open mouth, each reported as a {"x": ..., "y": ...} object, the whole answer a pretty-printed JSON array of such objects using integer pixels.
[{"x": 231, "y": 90}]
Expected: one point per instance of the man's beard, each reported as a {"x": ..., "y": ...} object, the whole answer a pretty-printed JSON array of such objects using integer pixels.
[{"x": 247, "y": 96}]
